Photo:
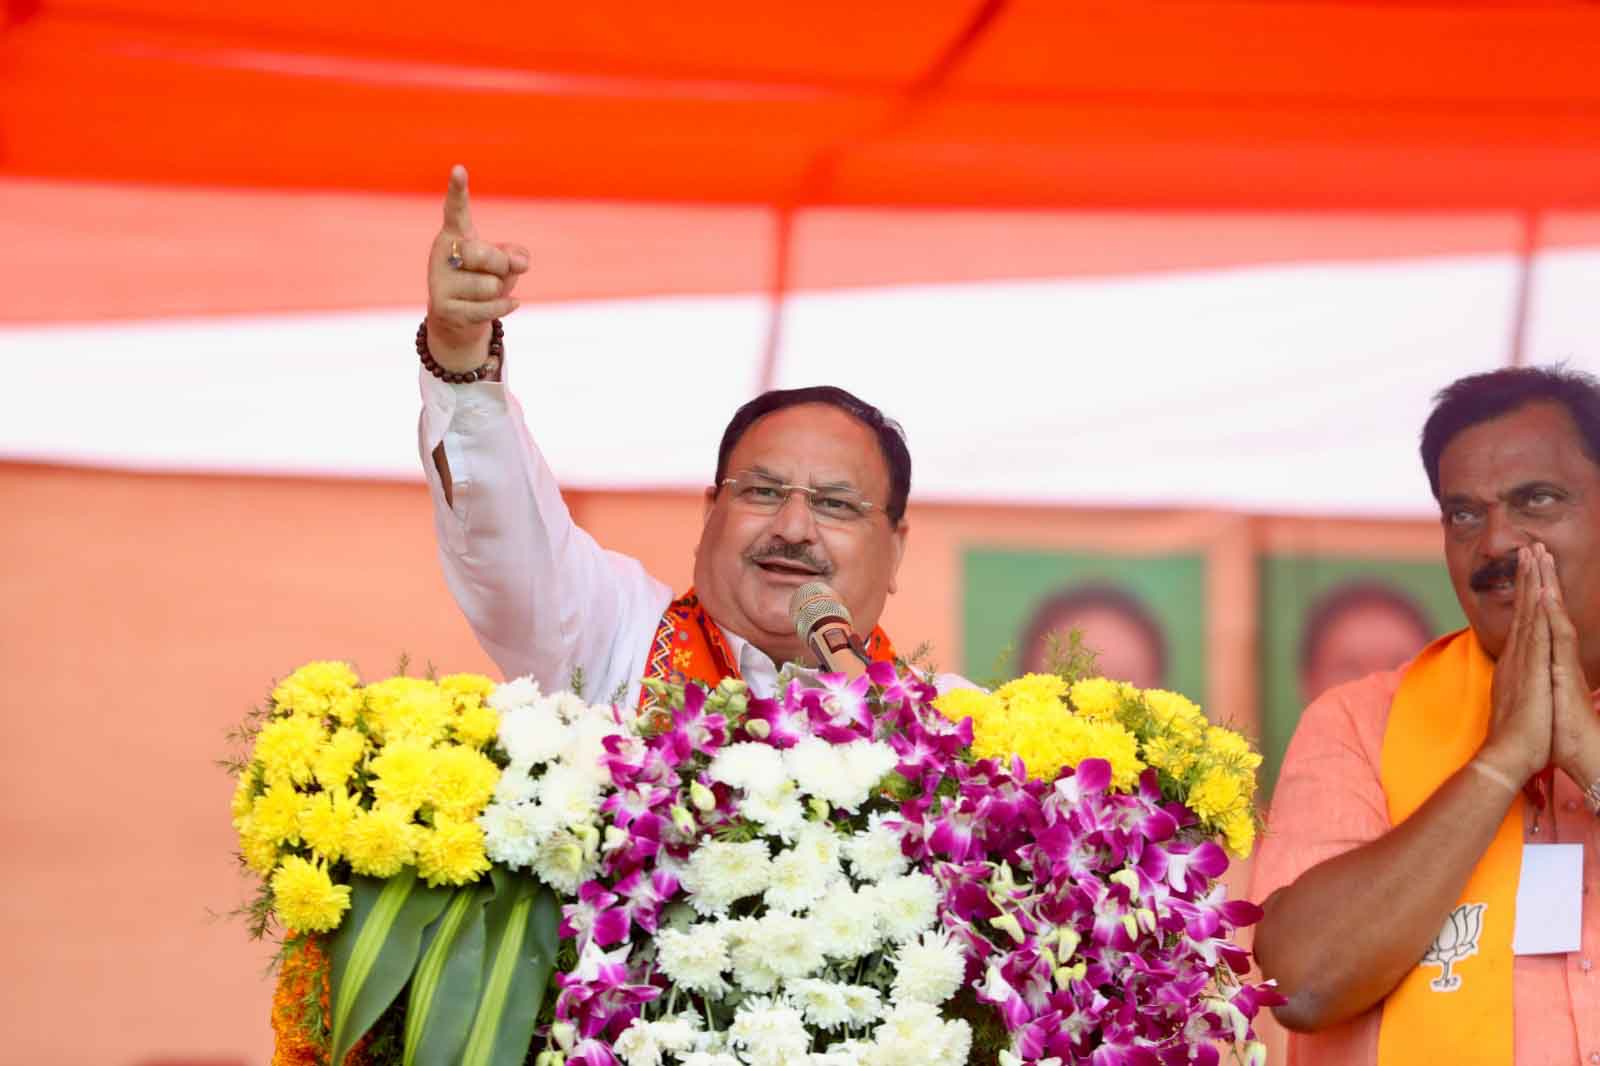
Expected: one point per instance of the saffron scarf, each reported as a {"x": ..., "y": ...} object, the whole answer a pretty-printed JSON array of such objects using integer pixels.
[
  {"x": 1456, "y": 1005},
  {"x": 689, "y": 646}
]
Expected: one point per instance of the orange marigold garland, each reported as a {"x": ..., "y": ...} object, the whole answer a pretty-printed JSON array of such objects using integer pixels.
[{"x": 300, "y": 1006}]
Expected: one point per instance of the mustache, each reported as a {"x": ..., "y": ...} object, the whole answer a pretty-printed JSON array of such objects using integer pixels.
[
  {"x": 791, "y": 552},
  {"x": 1493, "y": 572}
]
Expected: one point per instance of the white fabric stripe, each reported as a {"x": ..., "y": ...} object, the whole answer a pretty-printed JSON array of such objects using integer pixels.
[{"x": 1286, "y": 388}]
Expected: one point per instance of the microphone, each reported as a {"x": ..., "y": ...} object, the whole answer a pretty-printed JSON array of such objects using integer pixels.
[{"x": 823, "y": 623}]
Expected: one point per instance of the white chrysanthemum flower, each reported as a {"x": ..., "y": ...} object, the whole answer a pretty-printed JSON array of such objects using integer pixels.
[
  {"x": 914, "y": 1034},
  {"x": 927, "y": 970},
  {"x": 710, "y": 1058},
  {"x": 844, "y": 1053},
  {"x": 778, "y": 811},
  {"x": 523, "y": 692},
  {"x": 823, "y": 1002},
  {"x": 694, "y": 958},
  {"x": 843, "y": 775},
  {"x": 531, "y": 736},
  {"x": 817, "y": 766},
  {"x": 823, "y": 845},
  {"x": 750, "y": 967},
  {"x": 516, "y": 784},
  {"x": 782, "y": 943},
  {"x": 637, "y": 1046},
  {"x": 905, "y": 905},
  {"x": 875, "y": 852},
  {"x": 585, "y": 746},
  {"x": 571, "y": 796},
  {"x": 868, "y": 762},
  {"x": 756, "y": 768},
  {"x": 798, "y": 880},
  {"x": 769, "y": 1033},
  {"x": 512, "y": 833},
  {"x": 845, "y": 922},
  {"x": 677, "y": 1033},
  {"x": 719, "y": 872},
  {"x": 864, "y": 1003},
  {"x": 561, "y": 862},
  {"x": 568, "y": 705}
]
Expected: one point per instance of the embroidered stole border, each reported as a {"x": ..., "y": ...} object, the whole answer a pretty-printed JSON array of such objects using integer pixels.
[
  {"x": 1456, "y": 1006},
  {"x": 688, "y": 646}
]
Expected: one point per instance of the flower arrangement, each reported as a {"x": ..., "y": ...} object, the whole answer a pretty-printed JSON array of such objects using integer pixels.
[
  {"x": 379, "y": 778},
  {"x": 853, "y": 873},
  {"x": 358, "y": 810}
]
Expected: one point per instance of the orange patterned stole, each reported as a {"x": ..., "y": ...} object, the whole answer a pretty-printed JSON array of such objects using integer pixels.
[{"x": 688, "y": 646}]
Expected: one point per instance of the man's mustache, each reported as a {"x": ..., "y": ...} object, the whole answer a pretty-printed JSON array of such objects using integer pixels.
[
  {"x": 1493, "y": 572},
  {"x": 791, "y": 552}
]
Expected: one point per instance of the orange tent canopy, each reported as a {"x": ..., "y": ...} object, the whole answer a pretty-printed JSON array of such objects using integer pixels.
[{"x": 1120, "y": 104}]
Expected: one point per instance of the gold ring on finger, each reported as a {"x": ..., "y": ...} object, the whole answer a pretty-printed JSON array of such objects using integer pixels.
[{"x": 455, "y": 261}]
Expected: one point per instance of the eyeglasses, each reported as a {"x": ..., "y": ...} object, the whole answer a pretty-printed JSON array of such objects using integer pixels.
[{"x": 767, "y": 495}]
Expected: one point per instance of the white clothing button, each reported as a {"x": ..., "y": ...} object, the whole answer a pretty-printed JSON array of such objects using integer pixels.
[
  {"x": 1594, "y": 1056},
  {"x": 1585, "y": 965}
]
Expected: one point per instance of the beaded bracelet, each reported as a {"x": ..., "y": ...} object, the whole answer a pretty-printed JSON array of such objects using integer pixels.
[{"x": 488, "y": 368}]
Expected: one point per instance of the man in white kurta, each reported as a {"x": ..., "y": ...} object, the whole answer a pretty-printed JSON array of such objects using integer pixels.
[{"x": 810, "y": 484}]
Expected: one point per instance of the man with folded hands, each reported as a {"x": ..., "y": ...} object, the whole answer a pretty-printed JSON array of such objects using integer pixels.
[
  {"x": 810, "y": 485},
  {"x": 1432, "y": 849}
]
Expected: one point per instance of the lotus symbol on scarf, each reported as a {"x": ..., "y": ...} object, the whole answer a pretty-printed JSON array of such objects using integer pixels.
[{"x": 1457, "y": 940}]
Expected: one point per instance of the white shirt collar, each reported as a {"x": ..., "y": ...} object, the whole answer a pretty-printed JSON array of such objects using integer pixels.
[{"x": 755, "y": 665}]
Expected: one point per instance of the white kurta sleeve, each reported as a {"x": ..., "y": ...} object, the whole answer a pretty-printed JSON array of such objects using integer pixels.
[{"x": 542, "y": 597}]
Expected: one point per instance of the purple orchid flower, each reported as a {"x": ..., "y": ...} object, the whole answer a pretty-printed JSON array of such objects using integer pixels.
[
  {"x": 594, "y": 918},
  {"x": 774, "y": 723}
]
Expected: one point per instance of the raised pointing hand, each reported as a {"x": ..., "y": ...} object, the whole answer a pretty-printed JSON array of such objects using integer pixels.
[{"x": 469, "y": 283}]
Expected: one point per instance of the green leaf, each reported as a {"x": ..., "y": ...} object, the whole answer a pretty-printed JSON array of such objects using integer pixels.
[
  {"x": 519, "y": 956},
  {"x": 444, "y": 992},
  {"x": 375, "y": 950}
]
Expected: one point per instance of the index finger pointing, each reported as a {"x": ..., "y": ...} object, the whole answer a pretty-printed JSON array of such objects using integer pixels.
[{"x": 457, "y": 209}]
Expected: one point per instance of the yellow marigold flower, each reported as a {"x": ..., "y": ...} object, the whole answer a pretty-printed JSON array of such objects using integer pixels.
[
  {"x": 288, "y": 747},
  {"x": 1033, "y": 686},
  {"x": 476, "y": 726},
  {"x": 1165, "y": 753},
  {"x": 276, "y": 813},
  {"x": 402, "y": 774},
  {"x": 339, "y": 757},
  {"x": 381, "y": 842},
  {"x": 1171, "y": 707},
  {"x": 1217, "y": 794},
  {"x": 243, "y": 798},
  {"x": 409, "y": 707},
  {"x": 452, "y": 853},
  {"x": 1099, "y": 697},
  {"x": 306, "y": 898},
  {"x": 468, "y": 689},
  {"x": 463, "y": 782},
  {"x": 1230, "y": 748},
  {"x": 325, "y": 823},
  {"x": 259, "y": 850},
  {"x": 1120, "y": 748},
  {"x": 1240, "y": 830},
  {"x": 314, "y": 688},
  {"x": 347, "y": 709},
  {"x": 972, "y": 703}
]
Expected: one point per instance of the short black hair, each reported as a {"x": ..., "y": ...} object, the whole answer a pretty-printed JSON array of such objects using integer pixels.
[
  {"x": 891, "y": 438},
  {"x": 1361, "y": 592},
  {"x": 1092, "y": 595},
  {"x": 1480, "y": 397}
]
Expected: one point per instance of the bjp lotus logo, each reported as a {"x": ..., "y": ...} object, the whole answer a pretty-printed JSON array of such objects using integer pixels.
[{"x": 1456, "y": 941}]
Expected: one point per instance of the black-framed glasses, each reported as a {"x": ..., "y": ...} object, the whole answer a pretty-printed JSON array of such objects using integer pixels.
[{"x": 767, "y": 495}]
